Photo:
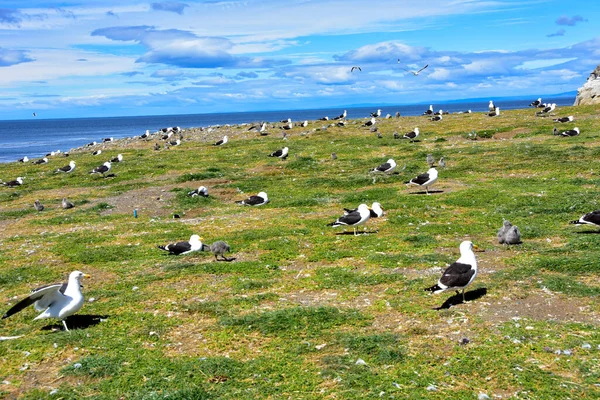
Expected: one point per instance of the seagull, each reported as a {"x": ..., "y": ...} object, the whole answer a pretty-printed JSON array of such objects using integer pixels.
[
  {"x": 91, "y": 144},
  {"x": 23, "y": 160},
  {"x": 429, "y": 111},
  {"x": 184, "y": 247},
  {"x": 342, "y": 115},
  {"x": 201, "y": 191},
  {"x": 591, "y": 218},
  {"x": 286, "y": 121},
  {"x": 371, "y": 122},
  {"x": 430, "y": 160},
  {"x": 570, "y": 132},
  {"x": 502, "y": 231},
  {"x": 376, "y": 210},
  {"x": 40, "y": 161},
  {"x": 491, "y": 106},
  {"x": 16, "y": 182},
  {"x": 564, "y": 119},
  {"x": 412, "y": 135},
  {"x": 281, "y": 153},
  {"x": 442, "y": 162},
  {"x": 97, "y": 153},
  {"x": 376, "y": 114},
  {"x": 288, "y": 125},
  {"x": 145, "y": 135},
  {"x": 415, "y": 73},
  {"x": 427, "y": 179},
  {"x": 396, "y": 135},
  {"x": 304, "y": 123},
  {"x": 67, "y": 168},
  {"x": 536, "y": 103},
  {"x": 436, "y": 118},
  {"x": 258, "y": 200},
  {"x": 66, "y": 204},
  {"x": 221, "y": 142},
  {"x": 108, "y": 139},
  {"x": 547, "y": 110},
  {"x": 59, "y": 300},
  {"x": 460, "y": 273},
  {"x": 495, "y": 112},
  {"x": 219, "y": 248},
  {"x": 102, "y": 169},
  {"x": 354, "y": 218},
  {"x": 325, "y": 118},
  {"x": 38, "y": 206},
  {"x": 512, "y": 235},
  {"x": 175, "y": 142},
  {"x": 167, "y": 136},
  {"x": 387, "y": 167},
  {"x": 341, "y": 123},
  {"x": 118, "y": 158},
  {"x": 353, "y": 68},
  {"x": 34, "y": 114}
]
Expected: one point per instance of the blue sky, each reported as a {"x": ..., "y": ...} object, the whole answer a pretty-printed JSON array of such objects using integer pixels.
[{"x": 112, "y": 58}]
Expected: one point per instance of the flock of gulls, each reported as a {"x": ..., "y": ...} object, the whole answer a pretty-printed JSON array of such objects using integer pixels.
[{"x": 64, "y": 299}]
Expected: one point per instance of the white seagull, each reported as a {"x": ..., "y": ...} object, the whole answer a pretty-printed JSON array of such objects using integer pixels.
[
  {"x": 59, "y": 300},
  {"x": 354, "y": 218},
  {"x": 102, "y": 169},
  {"x": 412, "y": 135},
  {"x": 591, "y": 218},
  {"x": 281, "y": 153},
  {"x": 257, "y": 200},
  {"x": 116, "y": 159},
  {"x": 387, "y": 167},
  {"x": 427, "y": 179},
  {"x": 201, "y": 191},
  {"x": 460, "y": 273},
  {"x": 221, "y": 142},
  {"x": 67, "y": 168},
  {"x": 180, "y": 248},
  {"x": 415, "y": 73}
]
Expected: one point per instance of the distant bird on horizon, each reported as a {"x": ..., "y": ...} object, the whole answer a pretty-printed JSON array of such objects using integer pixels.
[
  {"x": 429, "y": 111},
  {"x": 376, "y": 114},
  {"x": 491, "y": 106},
  {"x": 436, "y": 118},
  {"x": 415, "y": 73},
  {"x": 341, "y": 116},
  {"x": 355, "y": 67}
]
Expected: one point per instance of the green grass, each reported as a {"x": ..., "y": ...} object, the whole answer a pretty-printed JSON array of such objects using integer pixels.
[{"x": 301, "y": 304}]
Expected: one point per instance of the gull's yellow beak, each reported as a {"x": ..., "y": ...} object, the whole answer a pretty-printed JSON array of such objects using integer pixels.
[{"x": 87, "y": 276}]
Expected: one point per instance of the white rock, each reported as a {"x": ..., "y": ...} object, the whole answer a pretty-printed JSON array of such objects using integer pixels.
[
  {"x": 431, "y": 388},
  {"x": 360, "y": 361}
]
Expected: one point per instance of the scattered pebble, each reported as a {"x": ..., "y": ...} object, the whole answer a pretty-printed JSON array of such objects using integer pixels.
[
  {"x": 586, "y": 346},
  {"x": 482, "y": 396},
  {"x": 53, "y": 392},
  {"x": 464, "y": 341},
  {"x": 134, "y": 288},
  {"x": 5, "y": 382},
  {"x": 91, "y": 299},
  {"x": 77, "y": 365},
  {"x": 396, "y": 385},
  {"x": 320, "y": 346},
  {"x": 431, "y": 388},
  {"x": 360, "y": 361},
  {"x": 567, "y": 352}
]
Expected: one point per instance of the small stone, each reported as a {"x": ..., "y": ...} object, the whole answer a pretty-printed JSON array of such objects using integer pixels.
[
  {"x": 464, "y": 341},
  {"x": 53, "y": 392},
  {"x": 360, "y": 361},
  {"x": 567, "y": 352},
  {"x": 77, "y": 365},
  {"x": 91, "y": 299},
  {"x": 482, "y": 396},
  {"x": 320, "y": 346},
  {"x": 134, "y": 288},
  {"x": 431, "y": 388},
  {"x": 586, "y": 346},
  {"x": 396, "y": 385}
]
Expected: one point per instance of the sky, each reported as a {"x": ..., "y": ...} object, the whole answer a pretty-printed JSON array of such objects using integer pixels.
[{"x": 89, "y": 58}]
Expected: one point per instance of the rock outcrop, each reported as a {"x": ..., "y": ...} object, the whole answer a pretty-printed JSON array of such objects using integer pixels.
[{"x": 589, "y": 93}]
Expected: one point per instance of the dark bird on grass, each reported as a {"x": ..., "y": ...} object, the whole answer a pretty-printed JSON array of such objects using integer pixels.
[
  {"x": 564, "y": 119},
  {"x": 59, "y": 300},
  {"x": 287, "y": 126},
  {"x": 436, "y": 118},
  {"x": 303, "y": 124},
  {"x": 15, "y": 183},
  {"x": 38, "y": 206},
  {"x": 342, "y": 115},
  {"x": 221, "y": 142},
  {"x": 591, "y": 218},
  {"x": 459, "y": 274},
  {"x": 67, "y": 168},
  {"x": 376, "y": 114},
  {"x": 387, "y": 167},
  {"x": 184, "y": 247},
  {"x": 370, "y": 122},
  {"x": 355, "y": 218},
  {"x": 326, "y": 118},
  {"x": 40, "y": 161},
  {"x": 412, "y": 135},
  {"x": 356, "y": 67},
  {"x": 201, "y": 191},
  {"x": 219, "y": 248},
  {"x": 281, "y": 153},
  {"x": 415, "y": 73},
  {"x": 117, "y": 159},
  {"x": 536, "y": 103},
  {"x": 23, "y": 160},
  {"x": 166, "y": 136},
  {"x": 495, "y": 112},
  {"x": 567, "y": 133},
  {"x": 427, "y": 179},
  {"x": 97, "y": 153},
  {"x": 341, "y": 124},
  {"x": 547, "y": 110},
  {"x": 255, "y": 200},
  {"x": 108, "y": 139},
  {"x": 376, "y": 210},
  {"x": 66, "y": 204},
  {"x": 430, "y": 160},
  {"x": 102, "y": 169},
  {"x": 175, "y": 142},
  {"x": 91, "y": 144}
]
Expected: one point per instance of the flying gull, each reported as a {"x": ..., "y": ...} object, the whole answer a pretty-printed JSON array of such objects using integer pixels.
[
  {"x": 460, "y": 273},
  {"x": 221, "y": 142},
  {"x": 591, "y": 218},
  {"x": 255, "y": 200},
  {"x": 387, "y": 167},
  {"x": 281, "y": 153},
  {"x": 67, "y": 168},
  {"x": 102, "y": 169},
  {"x": 59, "y": 300},
  {"x": 415, "y": 73},
  {"x": 38, "y": 206},
  {"x": 66, "y": 204},
  {"x": 356, "y": 67},
  {"x": 184, "y": 247},
  {"x": 427, "y": 179},
  {"x": 354, "y": 218},
  {"x": 16, "y": 182},
  {"x": 201, "y": 191}
]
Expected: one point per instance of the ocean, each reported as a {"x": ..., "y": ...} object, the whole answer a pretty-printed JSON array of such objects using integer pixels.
[{"x": 36, "y": 137}]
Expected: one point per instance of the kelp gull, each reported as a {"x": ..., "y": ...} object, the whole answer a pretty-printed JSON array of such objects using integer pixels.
[
  {"x": 255, "y": 200},
  {"x": 97, "y": 153},
  {"x": 536, "y": 103},
  {"x": 415, "y": 73},
  {"x": 460, "y": 273},
  {"x": 342, "y": 115},
  {"x": 221, "y": 142},
  {"x": 491, "y": 106},
  {"x": 567, "y": 133},
  {"x": 427, "y": 179},
  {"x": 184, "y": 247},
  {"x": 376, "y": 114},
  {"x": 370, "y": 122},
  {"x": 108, "y": 139},
  {"x": 40, "y": 161},
  {"x": 117, "y": 159},
  {"x": 281, "y": 153},
  {"x": 201, "y": 191},
  {"x": 59, "y": 300},
  {"x": 354, "y": 218},
  {"x": 412, "y": 135},
  {"x": 591, "y": 218},
  {"x": 495, "y": 112},
  {"x": 547, "y": 110},
  {"x": 430, "y": 111},
  {"x": 102, "y": 169},
  {"x": 23, "y": 160},
  {"x": 376, "y": 210},
  {"x": 436, "y": 118},
  {"x": 16, "y": 182},
  {"x": 564, "y": 119},
  {"x": 67, "y": 168},
  {"x": 387, "y": 167}
]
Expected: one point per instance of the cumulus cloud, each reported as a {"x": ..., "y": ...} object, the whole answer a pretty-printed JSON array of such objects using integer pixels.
[
  {"x": 170, "y": 6},
  {"x": 11, "y": 57},
  {"x": 560, "y": 32},
  {"x": 184, "y": 49},
  {"x": 569, "y": 21}
]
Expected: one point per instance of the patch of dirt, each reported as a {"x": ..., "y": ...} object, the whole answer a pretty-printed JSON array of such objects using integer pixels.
[
  {"x": 152, "y": 201},
  {"x": 510, "y": 134}
]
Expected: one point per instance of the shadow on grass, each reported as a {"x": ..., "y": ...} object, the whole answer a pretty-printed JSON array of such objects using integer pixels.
[
  {"x": 357, "y": 233},
  {"x": 77, "y": 322},
  {"x": 458, "y": 299},
  {"x": 588, "y": 232},
  {"x": 430, "y": 192}
]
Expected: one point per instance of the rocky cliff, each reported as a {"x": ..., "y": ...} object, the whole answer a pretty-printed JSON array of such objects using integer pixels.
[{"x": 589, "y": 93}]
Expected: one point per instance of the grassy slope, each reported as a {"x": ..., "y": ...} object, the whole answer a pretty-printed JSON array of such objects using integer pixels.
[{"x": 300, "y": 305}]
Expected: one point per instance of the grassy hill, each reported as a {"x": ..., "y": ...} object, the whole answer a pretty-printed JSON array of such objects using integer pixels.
[{"x": 304, "y": 312}]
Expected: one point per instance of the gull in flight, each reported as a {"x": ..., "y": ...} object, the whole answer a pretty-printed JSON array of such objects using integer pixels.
[
  {"x": 353, "y": 68},
  {"x": 415, "y": 73}
]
